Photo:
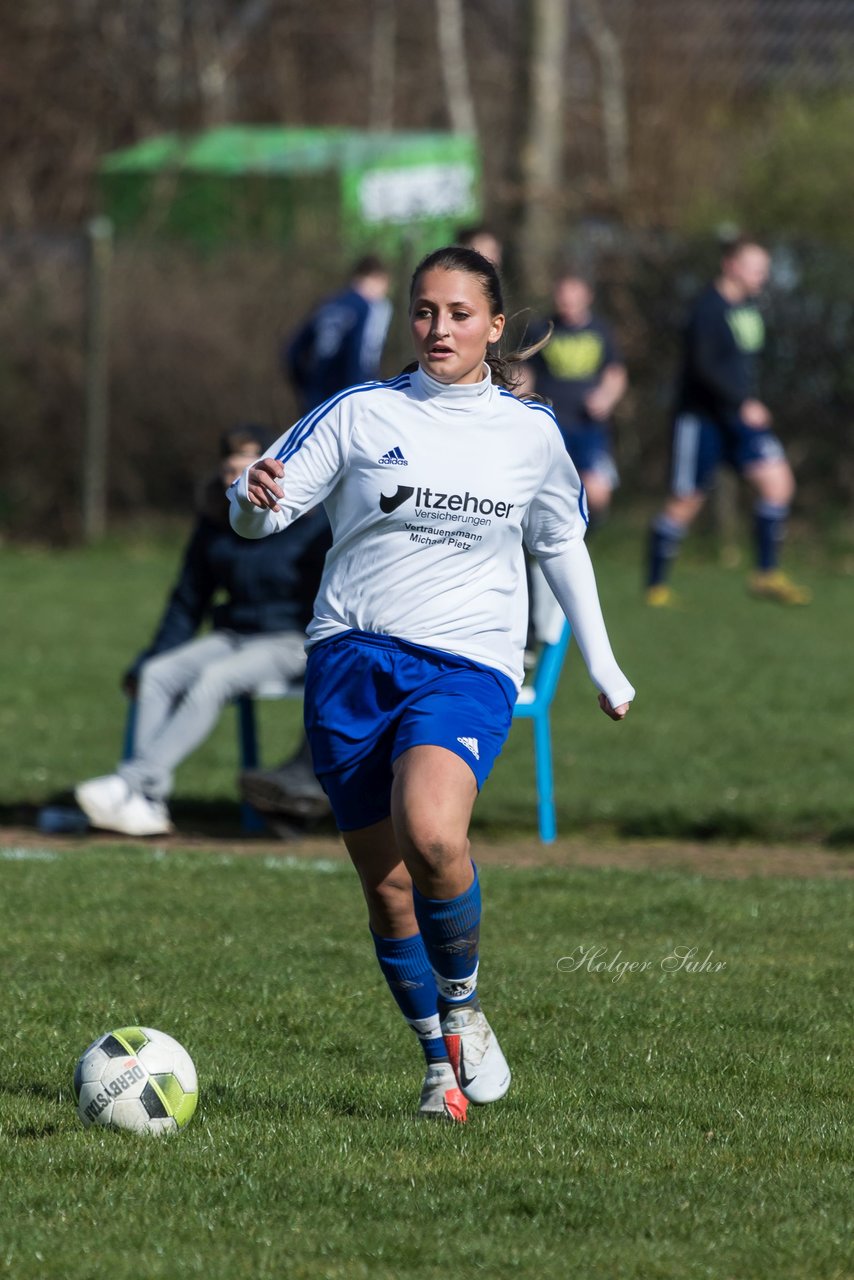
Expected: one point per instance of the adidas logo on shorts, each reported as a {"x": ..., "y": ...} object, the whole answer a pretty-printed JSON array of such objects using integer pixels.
[{"x": 471, "y": 745}]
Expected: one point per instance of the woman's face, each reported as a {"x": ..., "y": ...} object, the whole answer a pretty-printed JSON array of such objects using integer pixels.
[{"x": 452, "y": 325}]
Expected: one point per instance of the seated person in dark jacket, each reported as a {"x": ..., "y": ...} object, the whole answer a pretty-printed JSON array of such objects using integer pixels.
[{"x": 183, "y": 680}]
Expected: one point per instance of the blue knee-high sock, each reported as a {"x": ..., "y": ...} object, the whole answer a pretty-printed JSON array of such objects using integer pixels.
[
  {"x": 665, "y": 539},
  {"x": 451, "y": 931},
  {"x": 769, "y": 528},
  {"x": 407, "y": 971}
]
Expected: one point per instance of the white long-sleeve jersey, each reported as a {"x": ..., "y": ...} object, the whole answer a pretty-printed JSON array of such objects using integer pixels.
[{"x": 431, "y": 491}]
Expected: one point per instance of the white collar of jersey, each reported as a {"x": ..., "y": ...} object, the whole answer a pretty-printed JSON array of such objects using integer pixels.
[{"x": 456, "y": 395}]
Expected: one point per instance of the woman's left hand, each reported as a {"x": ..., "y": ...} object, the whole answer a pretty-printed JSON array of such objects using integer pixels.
[{"x": 616, "y": 713}]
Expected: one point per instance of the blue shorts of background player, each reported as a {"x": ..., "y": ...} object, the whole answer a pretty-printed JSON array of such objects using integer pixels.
[
  {"x": 590, "y": 450},
  {"x": 701, "y": 444},
  {"x": 369, "y": 698}
]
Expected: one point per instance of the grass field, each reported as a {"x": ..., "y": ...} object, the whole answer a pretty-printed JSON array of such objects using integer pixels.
[{"x": 668, "y": 1124}]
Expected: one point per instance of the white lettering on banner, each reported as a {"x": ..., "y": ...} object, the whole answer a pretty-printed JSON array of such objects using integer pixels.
[{"x": 396, "y": 195}]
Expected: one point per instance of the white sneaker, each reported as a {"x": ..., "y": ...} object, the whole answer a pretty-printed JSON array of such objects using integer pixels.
[
  {"x": 479, "y": 1064},
  {"x": 291, "y": 789},
  {"x": 441, "y": 1095},
  {"x": 110, "y": 804}
]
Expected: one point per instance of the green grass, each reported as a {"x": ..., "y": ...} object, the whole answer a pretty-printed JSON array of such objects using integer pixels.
[
  {"x": 668, "y": 1125},
  {"x": 739, "y": 730}
]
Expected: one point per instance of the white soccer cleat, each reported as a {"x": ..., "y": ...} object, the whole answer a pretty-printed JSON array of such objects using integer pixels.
[
  {"x": 111, "y": 805},
  {"x": 441, "y": 1095},
  {"x": 479, "y": 1064}
]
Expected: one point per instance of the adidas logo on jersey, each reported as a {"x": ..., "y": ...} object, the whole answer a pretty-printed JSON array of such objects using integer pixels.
[
  {"x": 394, "y": 458},
  {"x": 471, "y": 745}
]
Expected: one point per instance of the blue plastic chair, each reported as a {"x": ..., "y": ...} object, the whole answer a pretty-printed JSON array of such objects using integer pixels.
[
  {"x": 247, "y": 735},
  {"x": 534, "y": 703}
]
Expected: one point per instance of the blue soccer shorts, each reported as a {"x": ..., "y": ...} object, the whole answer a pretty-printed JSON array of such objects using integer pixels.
[
  {"x": 590, "y": 450},
  {"x": 701, "y": 444},
  {"x": 369, "y": 698}
]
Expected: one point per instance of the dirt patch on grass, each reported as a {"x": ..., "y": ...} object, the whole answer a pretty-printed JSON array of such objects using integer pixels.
[{"x": 720, "y": 860}]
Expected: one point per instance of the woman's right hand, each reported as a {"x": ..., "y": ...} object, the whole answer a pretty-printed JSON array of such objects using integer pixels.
[{"x": 261, "y": 486}]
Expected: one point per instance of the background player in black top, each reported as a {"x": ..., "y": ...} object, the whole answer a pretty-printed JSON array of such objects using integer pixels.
[
  {"x": 720, "y": 418},
  {"x": 581, "y": 374}
]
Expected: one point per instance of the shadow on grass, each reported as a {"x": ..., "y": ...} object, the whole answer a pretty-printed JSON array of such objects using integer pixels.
[
  {"x": 32, "y": 1132},
  {"x": 30, "y": 1089},
  {"x": 841, "y": 837},
  {"x": 194, "y": 818},
  {"x": 21, "y": 1129},
  {"x": 201, "y": 818},
  {"x": 715, "y": 826},
  {"x": 727, "y": 827},
  {"x": 297, "y": 1101}
]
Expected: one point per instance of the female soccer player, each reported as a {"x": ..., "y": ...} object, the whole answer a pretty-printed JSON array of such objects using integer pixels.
[{"x": 432, "y": 481}]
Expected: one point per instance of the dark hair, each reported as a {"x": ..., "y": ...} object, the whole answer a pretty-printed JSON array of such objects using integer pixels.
[
  {"x": 467, "y": 235},
  {"x": 458, "y": 258},
  {"x": 571, "y": 272},
  {"x": 237, "y": 439},
  {"x": 733, "y": 245},
  {"x": 370, "y": 264}
]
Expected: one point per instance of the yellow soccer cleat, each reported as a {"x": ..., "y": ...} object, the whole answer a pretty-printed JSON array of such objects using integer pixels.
[
  {"x": 660, "y": 596},
  {"x": 773, "y": 584}
]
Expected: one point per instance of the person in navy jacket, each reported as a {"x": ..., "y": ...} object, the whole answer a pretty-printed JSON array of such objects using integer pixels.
[
  {"x": 182, "y": 680},
  {"x": 341, "y": 341}
]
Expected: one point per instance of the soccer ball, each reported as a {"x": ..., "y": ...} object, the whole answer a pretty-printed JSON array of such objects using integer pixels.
[{"x": 138, "y": 1079}]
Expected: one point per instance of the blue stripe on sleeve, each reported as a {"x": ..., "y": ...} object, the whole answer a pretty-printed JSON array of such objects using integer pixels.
[
  {"x": 530, "y": 404},
  {"x": 582, "y": 504},
  {"x": 301, "y": 431}
]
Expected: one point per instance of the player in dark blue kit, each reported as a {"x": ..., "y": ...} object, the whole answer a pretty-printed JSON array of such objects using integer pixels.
[
  {"x": 720, "y": 418},
  {"x": 341, "y": 341},
  {"x": 581, "y": 374}
]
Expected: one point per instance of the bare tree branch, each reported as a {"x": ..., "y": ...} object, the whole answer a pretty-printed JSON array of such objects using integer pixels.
[
  {"x": 615, "y": 122},
  {"x": 168, "y": 63},
  {"x": 452, "y": 56},
  {"x": 220, "y": 55},
  {"x": 542, "y": 150},
  {"x": 383, "y": 63}
]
